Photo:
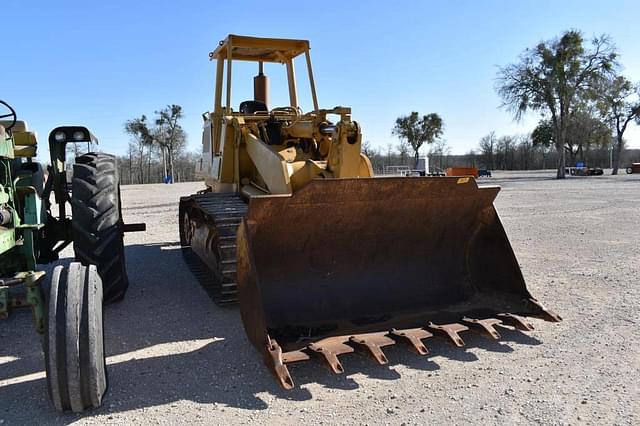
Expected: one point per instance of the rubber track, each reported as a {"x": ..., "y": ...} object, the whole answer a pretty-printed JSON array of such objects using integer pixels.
[{"x": 223, "y": 212}]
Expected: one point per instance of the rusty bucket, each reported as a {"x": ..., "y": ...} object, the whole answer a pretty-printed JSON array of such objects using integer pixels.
[{"x": 359, "y": 264}]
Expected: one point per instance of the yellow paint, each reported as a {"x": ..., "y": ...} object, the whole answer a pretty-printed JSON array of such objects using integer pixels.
[{"x": 309, "y": 145}]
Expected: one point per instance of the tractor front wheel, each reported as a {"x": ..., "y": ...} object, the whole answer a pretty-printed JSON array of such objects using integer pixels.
[
  {"x": 74, "y": 340},
  {"x": 97, "y": 221}
]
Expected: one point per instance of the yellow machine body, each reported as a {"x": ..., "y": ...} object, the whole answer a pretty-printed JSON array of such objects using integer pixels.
[{"x": 325, "y": 258}]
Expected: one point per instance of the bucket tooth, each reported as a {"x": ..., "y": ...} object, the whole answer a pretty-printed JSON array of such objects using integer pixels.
[
  {"x": 295, "y": 356},
  {"x": 516, "y": 321},
  {"x": 373, "y": 344},
  {"x": 450, "y": 331},
  {"x": 329, "y": 349},
  {"x": 275, "y": 362},
  {"x": 413, "y": 337},
  {"x": 454, "y": 262},
  {"x": 484, "y": 326},
  {"x": 547, "y": 315}
]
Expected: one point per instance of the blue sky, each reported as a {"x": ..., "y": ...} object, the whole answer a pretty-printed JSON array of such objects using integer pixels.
[{"x": 99, "y": 63}]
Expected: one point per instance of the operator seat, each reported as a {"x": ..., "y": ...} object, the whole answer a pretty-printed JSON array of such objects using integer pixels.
[
  {"x": 19, "y": 126},
  {"x": 251, "y": 107},
  {"x": 25, "y": 142}
]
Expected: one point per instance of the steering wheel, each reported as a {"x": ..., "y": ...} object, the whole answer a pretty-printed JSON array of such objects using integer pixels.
[
  {"x": 11, "y": 113},
  {"x": 287, "y": 110}
]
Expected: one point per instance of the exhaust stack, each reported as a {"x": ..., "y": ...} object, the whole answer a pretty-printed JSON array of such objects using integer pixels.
[{"x": 261, "y": 86}]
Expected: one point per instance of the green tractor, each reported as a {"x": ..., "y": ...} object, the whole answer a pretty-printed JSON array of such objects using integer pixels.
[{"x": 33, "y": 230}]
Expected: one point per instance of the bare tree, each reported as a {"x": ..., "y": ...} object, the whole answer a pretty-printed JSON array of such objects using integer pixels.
[
  {"x": 438, "y": 151},
  {"x": 552, "y": 77},
  {"x": 138, "y": 129},
  {"x": 169, "y": 134},
  {"x": 524, "y": 153},
  {"x": 368, "y": 149},
  {"x": 487, "y": 150},
  {"x": 183, "y": 168},
  {"x": 403, "y": 150},
  {"x": 505, "y": 152},
  {"x": 584, "y": 132},
  {"x": 390, "y": 150},
  {"x": 619, "y": 102}
]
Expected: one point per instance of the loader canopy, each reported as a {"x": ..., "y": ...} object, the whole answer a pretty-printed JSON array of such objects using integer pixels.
[{"x": 344, "y": 263}]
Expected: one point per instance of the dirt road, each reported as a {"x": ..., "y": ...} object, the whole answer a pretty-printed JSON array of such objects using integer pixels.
[{"x": 175, "y": 357}]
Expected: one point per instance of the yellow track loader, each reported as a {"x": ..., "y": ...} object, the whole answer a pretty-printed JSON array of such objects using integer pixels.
[{"x": 324, "y": 258}]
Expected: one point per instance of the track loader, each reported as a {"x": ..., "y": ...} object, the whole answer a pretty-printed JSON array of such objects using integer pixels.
[{"x": 324, "y": 258}]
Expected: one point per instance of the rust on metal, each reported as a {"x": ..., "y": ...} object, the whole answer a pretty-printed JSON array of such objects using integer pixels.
[
  {"x": 413, "y": 337},
  {"x": 516, "y": 321},
  {"x": 484, "y": 326},
  {"x": 277, "y": 366},
  {"x": 450, "y": 331},
  {"x": 545, "y": 314},
  {"x": 373, "y": 343},
  {"x": 329, "y": 349},
  {"x": 345, "y": 258},
  {"x": 295, "y": 356},
  {"x": 208, "y": 225}
]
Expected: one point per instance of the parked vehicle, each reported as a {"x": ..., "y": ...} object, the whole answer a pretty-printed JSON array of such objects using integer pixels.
[
  {"x": 633, "y": 168},
  {"x": 69, "y": 316},
  {"x": 293, "y": 225}
]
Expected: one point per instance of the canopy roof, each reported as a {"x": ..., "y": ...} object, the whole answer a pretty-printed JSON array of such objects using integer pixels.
[{"x": 259, "y": 49}]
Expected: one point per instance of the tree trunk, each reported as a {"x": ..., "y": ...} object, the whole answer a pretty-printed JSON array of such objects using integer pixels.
[
  {"x": 170, "y": 157},
  {"x": 617, "y": 150},
  {"x": 572, "y": 157},
  {"x": 560, "y": 142},
  {"x": 149, "y": 164},
  {"x": 580, "y": 153},
  {"x": 141, "y": 166},
  {"x": 164, "y": 162},
  {"x": 492, "y": 160}
]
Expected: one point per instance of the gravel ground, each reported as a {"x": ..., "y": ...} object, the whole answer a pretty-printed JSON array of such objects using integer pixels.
[{"x": 175, "y": 357}]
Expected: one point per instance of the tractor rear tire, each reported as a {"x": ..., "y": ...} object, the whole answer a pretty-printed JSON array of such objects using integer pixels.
[
  {"x": 74, "y": 339},
  {"x": 97, "y": 221}
]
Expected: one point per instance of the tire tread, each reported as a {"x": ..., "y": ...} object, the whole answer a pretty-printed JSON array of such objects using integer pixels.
[{"x": 97, "y": 220}]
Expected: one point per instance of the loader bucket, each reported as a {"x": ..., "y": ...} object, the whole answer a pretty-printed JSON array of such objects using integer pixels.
[{"x": 349, "y": 264}]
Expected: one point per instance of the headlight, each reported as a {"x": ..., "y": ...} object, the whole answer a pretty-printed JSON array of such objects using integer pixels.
[
  {"x": 78, "y": 136},
  {"x": 60, "y": 136}
]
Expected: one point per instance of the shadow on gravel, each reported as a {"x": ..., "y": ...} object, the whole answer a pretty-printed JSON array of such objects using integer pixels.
[
  {"x": 167, "y": 341},
  {"x": 537, "y": 178},
  {"x": 505, "y": 181}
]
